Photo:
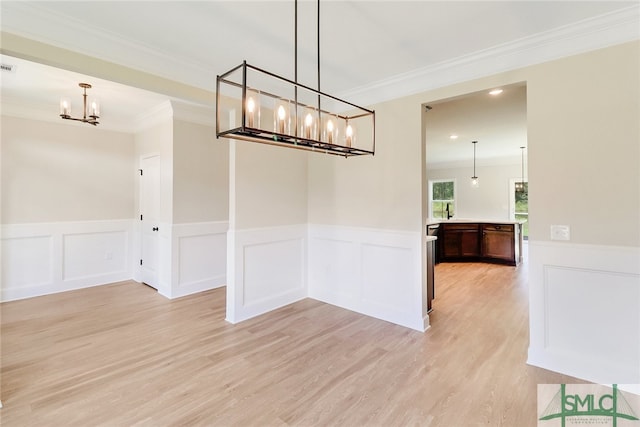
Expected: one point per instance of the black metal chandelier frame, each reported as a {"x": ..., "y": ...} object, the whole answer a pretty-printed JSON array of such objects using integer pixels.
[{"x": 319, "y": 139}]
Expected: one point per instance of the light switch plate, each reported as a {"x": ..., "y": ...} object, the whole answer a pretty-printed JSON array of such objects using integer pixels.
[{"x": 560, "y": 232}]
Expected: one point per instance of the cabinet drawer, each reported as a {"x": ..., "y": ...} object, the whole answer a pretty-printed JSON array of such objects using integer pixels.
[
  {"x": 498, "y": 227},
  {"x": 460, "y": 227}
]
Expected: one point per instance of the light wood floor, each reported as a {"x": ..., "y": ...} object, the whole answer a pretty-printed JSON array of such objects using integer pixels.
[{"x": 122, "y": 355}]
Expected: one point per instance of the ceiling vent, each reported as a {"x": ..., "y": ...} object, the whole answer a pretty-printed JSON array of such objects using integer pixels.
[{"x": 8, "y": 68}]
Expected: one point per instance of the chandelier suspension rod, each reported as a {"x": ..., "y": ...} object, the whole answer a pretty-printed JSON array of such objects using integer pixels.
[
  {"x": 318, "y": 52},
  {"x": 84, "y": 109},
  {"x": 295, "y": 44}
]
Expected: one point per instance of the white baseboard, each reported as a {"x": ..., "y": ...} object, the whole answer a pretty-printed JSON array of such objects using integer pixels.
[
  {"x": 585, "y": 311},
  {"x": 370, "y": 271},
  {"x": 266, "y": 269},
  {"x": 46, "y": 258}
]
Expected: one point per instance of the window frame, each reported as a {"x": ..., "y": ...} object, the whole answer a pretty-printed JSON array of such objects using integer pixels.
[{"x": 431, "y": 200}]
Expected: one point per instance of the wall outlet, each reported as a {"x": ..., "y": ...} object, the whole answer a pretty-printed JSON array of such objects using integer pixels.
[
  {"x": 560, "y": 232},
  {"x": 108, "y": 256}
]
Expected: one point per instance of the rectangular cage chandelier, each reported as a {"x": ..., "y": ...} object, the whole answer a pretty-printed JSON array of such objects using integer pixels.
[{"x": 259, "y": 106}]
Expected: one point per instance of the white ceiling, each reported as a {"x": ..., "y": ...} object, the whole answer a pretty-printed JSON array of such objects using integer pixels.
[
  {"x": 497, "y": 122},
  {"x": 370, "y": 50}
]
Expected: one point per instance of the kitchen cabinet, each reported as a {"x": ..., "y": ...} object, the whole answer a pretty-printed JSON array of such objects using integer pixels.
[
  {"x": 481, "y": 241},
  {"x": 498, "y": 242},
  {"x": 460, "y": 240},
  {"x": 430, "y": 273}
]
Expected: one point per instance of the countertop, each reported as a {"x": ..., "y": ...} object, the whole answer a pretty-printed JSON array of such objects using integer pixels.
[{"x": 433, "y": 221}]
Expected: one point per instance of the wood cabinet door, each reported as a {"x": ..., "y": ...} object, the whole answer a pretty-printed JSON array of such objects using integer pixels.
[
  {"x": 498, "y": 244},
  {"x": 469, "y": 244},
  {"x": 460, "y": 241}
]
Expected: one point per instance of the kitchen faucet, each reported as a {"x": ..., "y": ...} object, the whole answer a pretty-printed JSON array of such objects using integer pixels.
[{"x": 449, "y": 216}]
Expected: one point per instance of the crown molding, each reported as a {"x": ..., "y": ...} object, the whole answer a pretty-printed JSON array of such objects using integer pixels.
[
  {"x": 596, "y": 33},
  {"x": 36, "y": 20},
  {"x": 161, "y": 113},
  {"x": 192, "y": 113},
  {"x": 170, "y": 110}
]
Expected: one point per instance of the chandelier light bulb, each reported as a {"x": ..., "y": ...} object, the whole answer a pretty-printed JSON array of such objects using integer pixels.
[
  {"x": 349, "y": 134},
  {"x": 65, "y": 107}
]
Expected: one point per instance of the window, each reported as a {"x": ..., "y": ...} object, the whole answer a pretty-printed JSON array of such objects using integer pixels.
[
  {"x": 522, "y": 209},
  {"x": 441, "y": 195}
]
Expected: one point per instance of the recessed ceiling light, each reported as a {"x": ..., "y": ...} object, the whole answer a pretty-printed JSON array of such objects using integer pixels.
[
  {"x": 495, "y": 92},
  {"x": 453, "y": 137}
]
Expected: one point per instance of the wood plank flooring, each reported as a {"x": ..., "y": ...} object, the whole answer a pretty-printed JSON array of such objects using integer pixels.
[{"x": 122, "y": 355}]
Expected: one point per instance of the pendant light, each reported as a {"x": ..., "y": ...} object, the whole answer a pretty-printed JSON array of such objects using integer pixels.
[
  {"x": 521, "y": 185},
  {"x": 474, "y": 179},
  {"x": 90, "y": 115},
  {"x": 256, "y": 105}
]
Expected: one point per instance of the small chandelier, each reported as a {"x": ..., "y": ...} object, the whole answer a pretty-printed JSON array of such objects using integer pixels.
[
  {"x": 521, "y": 185},
  {"x": 258, "y": 106},
  {"x": 474, "y": 179},
  {"x": 89, "y": 115}
]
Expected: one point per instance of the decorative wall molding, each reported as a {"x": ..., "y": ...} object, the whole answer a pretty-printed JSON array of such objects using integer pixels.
[
  {"x": 266, "y": 269},
  {"x": 114, "y": 48},
  {"x": 198, "y": 114},
  {"x": 41, "y": 259},
  {"x": 585, "y": 311},
  {"x": 46, "y": 258},
  {"x": 599, "y": 32},
  {"x": 370, "y": 271},
  {"x": 596, "y": 33},
  {"x": 199, "y": 254}
]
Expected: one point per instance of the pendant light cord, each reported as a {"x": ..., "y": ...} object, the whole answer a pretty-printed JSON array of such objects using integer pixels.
[
  {"x": 522, "y": 166},
  {"x": 474, "y": 158}
]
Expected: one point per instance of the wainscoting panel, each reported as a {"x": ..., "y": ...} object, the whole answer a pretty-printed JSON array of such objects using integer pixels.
[
  {"x": 39, "y": 259},
  {"x": 266, "y": 270},
  {"x": 373, "y": 272},
  {"x": 87, "y": 255},
  {"x": 27, "y": 263},
  {"x": 585, "y": 311},
  {"x": 200, "y": 257}
]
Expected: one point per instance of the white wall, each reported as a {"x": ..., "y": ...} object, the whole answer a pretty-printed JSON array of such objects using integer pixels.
[
  {"x": 366, "y": 241},
  {"x": 200, "y": 204},
  {"x": 577, "y": 154},
  {"x": 67, "y": 207},
  {"x": 267, "y": 239},
  {"x": 194, "y": 202},
  {"x": 585, "y": 291},
  {"x": 55, "y": 172},
  {"x": 70, "y": 204},
  {"x": 201, "y": 173},
  {"x": 490, "y": 200}
]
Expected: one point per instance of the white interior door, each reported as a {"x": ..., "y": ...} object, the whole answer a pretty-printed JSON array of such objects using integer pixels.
[{"x": 150, "y": 220}]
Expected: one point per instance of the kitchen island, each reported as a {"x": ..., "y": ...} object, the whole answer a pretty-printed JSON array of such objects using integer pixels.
[{"x": 478, "y": 240}]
